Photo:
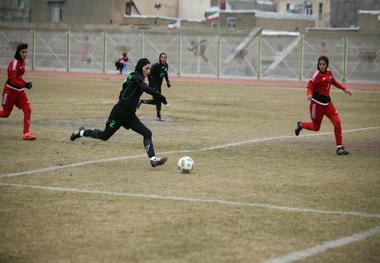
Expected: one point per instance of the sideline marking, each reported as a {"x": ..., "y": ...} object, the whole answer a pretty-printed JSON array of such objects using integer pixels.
[
  {"x": 297, "y": 255},
  {"x": 193, "y": 200},
  {"x": 210, "y": 148}
]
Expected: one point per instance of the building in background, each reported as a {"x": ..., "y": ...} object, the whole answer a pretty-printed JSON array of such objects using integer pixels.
[
  {"x": 320, "y": 9},
  {"x": 286, "y": 15},
  {"x": 77, "y": 12},
  {"x": 116, "y": 12},
  {"x": 345, "y": 13},
  {"x": 14, "y": 11},
  {"x": 260, "y": 5},
  {"x": 328, "y": 13}
]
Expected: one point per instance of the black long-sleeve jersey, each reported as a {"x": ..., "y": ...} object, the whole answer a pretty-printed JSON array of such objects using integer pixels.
[
  {"x": 158, "y": 72},
  {"x": 133, "y": 88}
]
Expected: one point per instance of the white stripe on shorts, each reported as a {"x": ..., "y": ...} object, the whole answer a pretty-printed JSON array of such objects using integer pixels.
[
  {"x": 5, "y": 96},
  {"x": 313, "y": 110}
]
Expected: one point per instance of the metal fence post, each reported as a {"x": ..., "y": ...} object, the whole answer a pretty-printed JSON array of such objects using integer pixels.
[
  {"x": 104, "y": 52},
  {"x": 68, "y": 51},
  {"x": 301, "y": 57},
  {"x": 344, "y": 75},
  {"x": 259, "y": 56},
  {"x": 218, "y": 60},
  {"x": 142, "y": 44},
  {"x": 179, "y": 54},
  {"x": 34, "y": 48}
]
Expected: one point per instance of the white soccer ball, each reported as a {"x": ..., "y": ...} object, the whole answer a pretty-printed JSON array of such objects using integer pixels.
[{"x": 185, "y": 164}]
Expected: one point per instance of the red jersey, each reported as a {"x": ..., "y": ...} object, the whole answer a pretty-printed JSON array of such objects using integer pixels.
[
  {"x": 321, "y": 82},
  {"x": 16, "y": 69},
  {"x": 123, "y": 60}
]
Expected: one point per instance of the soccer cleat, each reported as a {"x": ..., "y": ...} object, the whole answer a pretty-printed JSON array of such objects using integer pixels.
[
  {"x": 29, "y": 136},
  {"x": 76, "y": 134},
  {"x": 298, "y": 128},
  {"x": 341, "y": 151},
  {"x": 156, "y": 161}
]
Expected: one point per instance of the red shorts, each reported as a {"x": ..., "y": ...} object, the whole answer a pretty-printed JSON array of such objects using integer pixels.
[{"x": 13, "y": 97}]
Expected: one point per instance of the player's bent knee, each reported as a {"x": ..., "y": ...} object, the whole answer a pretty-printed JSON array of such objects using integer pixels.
[
  {"x": 4, "y": 114},
  {"x": 27, "y": 109},
  {"x": 103, "y": 136}
]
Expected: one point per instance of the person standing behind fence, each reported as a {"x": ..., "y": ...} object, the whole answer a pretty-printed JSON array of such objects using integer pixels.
[
  {"x": 121, "y": 64},
  {"x": 318, "y": 91},
  {"x": 124, "y": 112},
  {"x": 14, "y": 90},
  {"x": 158, "y": 72}
]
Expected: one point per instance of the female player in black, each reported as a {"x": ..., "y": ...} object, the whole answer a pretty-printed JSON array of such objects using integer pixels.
[
  {"x": 158, "y": 72},
  {"x": 124, "y": 112}
]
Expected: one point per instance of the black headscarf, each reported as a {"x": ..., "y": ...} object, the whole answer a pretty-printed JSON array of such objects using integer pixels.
[
  {"x": 325, "y": 59},
  {"x": 140, "y": 64},
  {"x": 19, "y": 48},
  {"x": 159, "y": 57}
]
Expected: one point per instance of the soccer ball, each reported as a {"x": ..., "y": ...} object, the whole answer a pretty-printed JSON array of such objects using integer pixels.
[{"x": 185, "y": 164}]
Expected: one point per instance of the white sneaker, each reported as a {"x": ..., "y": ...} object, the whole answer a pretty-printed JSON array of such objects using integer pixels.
[
  {"x": 156, "y": 161},
  {"x": 76, "y": 134}
]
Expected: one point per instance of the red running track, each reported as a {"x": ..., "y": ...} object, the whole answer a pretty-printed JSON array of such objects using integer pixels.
[{"x": 203, "y": 80}]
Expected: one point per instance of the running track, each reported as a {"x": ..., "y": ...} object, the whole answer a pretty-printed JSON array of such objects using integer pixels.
[{"x": 203, "y": 80}]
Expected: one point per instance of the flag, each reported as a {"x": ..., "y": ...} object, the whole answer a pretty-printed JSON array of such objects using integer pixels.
[
  {"x": 175, "y": 24},
  {"x": 212, "y": 15}
]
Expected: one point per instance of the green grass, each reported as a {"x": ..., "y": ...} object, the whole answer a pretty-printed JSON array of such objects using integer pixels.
[{"x": 41, "y": 225}]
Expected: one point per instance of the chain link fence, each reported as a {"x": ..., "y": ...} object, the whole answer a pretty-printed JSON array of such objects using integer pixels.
[{"x": 258, "y": 55}]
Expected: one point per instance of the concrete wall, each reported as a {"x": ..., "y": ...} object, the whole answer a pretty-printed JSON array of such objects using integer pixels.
[
  {"x": 284, "y": 24},
  {"x": 184, "y": 9},
  {"x": 194, "y": 9},
  {"x": 112, "y": 11},
  {"x": 169, "y": 8},
  {"x": 39, "y": 11},
  {"x": 344, "y": 13},
  {"x": 12, "y": 4},
  {"x": 96, "y": 12},
  {"x": 265, "y": 20},
  {"x": 117, "y": 12},
  {"x": 281, "y": 5},
  {"x": 323, "y": 20},
  {"x": 10, "y": 11},
  {"x": 369, "y": 21}
]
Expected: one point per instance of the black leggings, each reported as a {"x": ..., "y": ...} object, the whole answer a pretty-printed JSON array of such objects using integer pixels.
[
  {"x": 128, "y": 120},
  {"x": 156, "y": 101}
]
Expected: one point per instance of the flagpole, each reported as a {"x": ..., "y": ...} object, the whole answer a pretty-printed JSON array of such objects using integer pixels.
[{"x": 219, "y": 2}]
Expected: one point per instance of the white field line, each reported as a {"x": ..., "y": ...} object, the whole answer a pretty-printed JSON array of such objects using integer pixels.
[
  {"x": 210, "y": 148},
  {"x": 297, "y": 255},
  {"x": 193, "y": 200}
]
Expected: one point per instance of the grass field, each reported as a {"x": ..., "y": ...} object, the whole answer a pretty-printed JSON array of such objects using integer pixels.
[{"x": 257, "y": 193}]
